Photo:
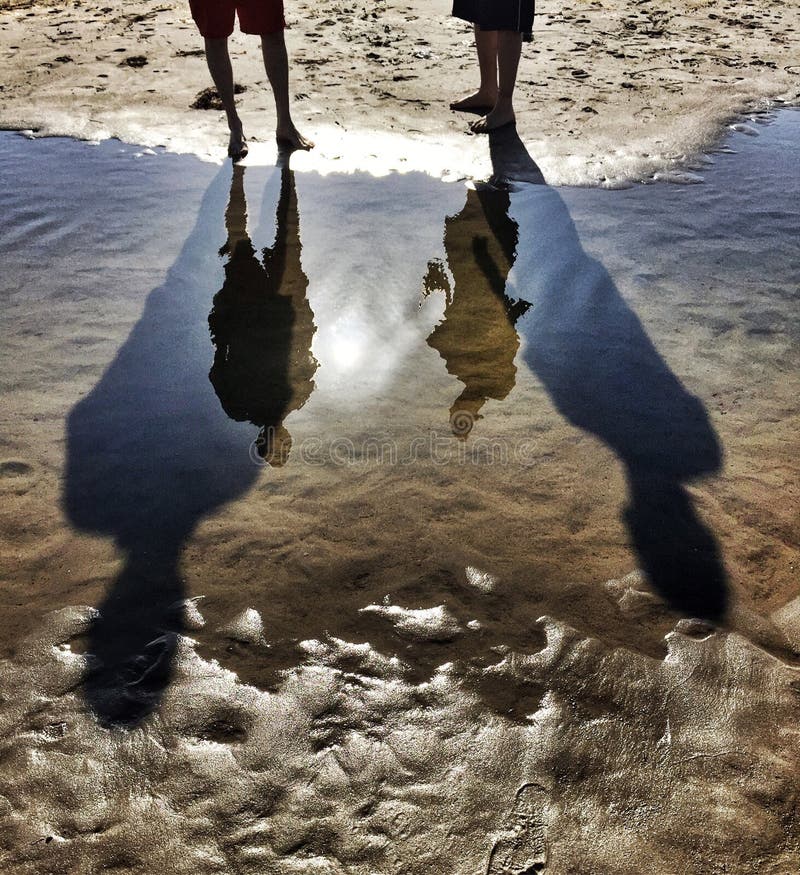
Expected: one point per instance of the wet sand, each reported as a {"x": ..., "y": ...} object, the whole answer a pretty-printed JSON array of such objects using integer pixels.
[
  {"x": 608, "y": 91},
  {"x": 406, "y": 474}
]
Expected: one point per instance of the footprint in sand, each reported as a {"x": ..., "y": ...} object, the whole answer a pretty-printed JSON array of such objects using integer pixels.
[
  {"x": 522, "y": 848},
  {"x": 14, "y": 468},
  {"x": 135, "y": 61}
]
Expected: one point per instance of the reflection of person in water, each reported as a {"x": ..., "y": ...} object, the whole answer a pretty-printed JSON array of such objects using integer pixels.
[
  {"x": 604, "y": 375},
  {"x": 262, "y": 325},
  {"x": 149, "y": 454},
  {"x": 476, "y": 338}
]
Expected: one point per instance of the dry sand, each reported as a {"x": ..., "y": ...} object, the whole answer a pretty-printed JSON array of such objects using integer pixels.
[{"x": 607, "y": 91}]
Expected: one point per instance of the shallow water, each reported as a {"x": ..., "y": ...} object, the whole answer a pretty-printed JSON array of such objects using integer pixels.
[{"x": 381, "y": 426}]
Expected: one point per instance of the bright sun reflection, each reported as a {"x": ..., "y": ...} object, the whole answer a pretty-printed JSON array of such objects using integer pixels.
[{"x": 347, "y": 347}]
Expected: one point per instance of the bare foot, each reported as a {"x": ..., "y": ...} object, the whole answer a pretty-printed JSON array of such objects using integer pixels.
[
  {"x": 237, "y": 146},
  {"x": 290, "y": 139},
  {"x": 499, "y": 117},
  {"x": 481, "y": 101}
]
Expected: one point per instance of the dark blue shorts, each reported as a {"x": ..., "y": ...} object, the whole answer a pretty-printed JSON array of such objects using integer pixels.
[{"x": 516, "y": 15}]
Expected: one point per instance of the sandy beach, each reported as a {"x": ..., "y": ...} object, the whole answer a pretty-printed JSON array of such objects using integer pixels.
[
  {"x": 607, "y": 92},
  {"x": 360, "y": 517}
]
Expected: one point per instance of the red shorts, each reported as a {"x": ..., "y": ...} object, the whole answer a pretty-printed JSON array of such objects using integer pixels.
[{"x": 214, "y": 18}]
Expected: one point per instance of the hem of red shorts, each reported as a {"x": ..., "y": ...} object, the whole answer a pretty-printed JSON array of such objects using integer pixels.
[
  {"x": 281, "y": 27},
  {"x": 215, "y": 35}
]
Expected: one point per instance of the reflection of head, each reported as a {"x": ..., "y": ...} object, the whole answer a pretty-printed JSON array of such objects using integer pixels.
[
  {"x": 477, "y": 338},
  {"x": 273, "y": 445},
  {"x": 463, "y": 415},
  {"x": 262, "y": 326}
]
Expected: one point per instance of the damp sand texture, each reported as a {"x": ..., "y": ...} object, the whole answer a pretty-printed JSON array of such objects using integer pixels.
[{"x": 364, "y": 653}]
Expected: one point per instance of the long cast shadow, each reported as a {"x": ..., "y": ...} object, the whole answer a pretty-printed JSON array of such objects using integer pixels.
[
  {"x": 149, "y": 453},
  {"x": 604, "y": 375}
]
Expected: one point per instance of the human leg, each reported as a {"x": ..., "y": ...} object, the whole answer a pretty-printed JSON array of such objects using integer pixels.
[
  {"x": 219, "y": 65},
  {"x": 486, "y": 96},
  {"x": 214, "y": 20},
  {"x": 509, "y": 48},
  {"x": 276, "y": 64}
]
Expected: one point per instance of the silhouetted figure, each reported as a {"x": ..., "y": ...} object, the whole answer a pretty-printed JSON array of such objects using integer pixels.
[
  {"x": 604, "y": 375},
  {"x": 476, "y": 338},
  {"x": 262, "y": 325},
  {"x": 500, "y": 27},
  {"x": 215, "y": 20},
  {"x": 149, "y": 454}
]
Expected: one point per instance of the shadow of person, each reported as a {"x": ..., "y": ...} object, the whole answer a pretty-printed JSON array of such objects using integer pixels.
[
  {"x": 262, "y": 325},
  {"x": 149, "y": 454},
  {"x": 476, "y": 337},
  {"x": 604, "y": 375}
]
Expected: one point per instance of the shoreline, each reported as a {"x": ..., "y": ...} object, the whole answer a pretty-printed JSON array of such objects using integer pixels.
[
  {"x": 657, "y": 95},
  {"x": 402, "y": 154}
]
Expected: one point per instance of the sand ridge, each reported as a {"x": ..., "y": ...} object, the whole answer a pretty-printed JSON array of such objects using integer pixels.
[
  {"x": 341, "y": 769},
  {"x": 608, "y": 91}
]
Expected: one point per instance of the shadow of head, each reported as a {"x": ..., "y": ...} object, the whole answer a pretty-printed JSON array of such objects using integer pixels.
[{"x": 150, "y": 454}]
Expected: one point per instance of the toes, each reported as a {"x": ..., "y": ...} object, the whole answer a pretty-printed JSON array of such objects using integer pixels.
[
  {"x": 294, "y": 142},
  {"x": 487, "y": 124}
]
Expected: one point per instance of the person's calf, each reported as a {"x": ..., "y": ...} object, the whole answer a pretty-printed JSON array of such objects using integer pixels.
[
  {"x": 276, "y": 64},
  {"x": 219, "y": 66}
]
